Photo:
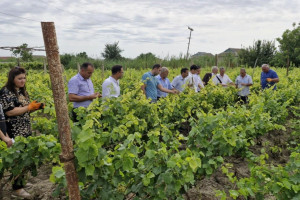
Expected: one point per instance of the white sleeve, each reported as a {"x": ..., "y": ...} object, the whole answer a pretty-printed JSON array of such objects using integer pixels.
[
  {"x": 201, "y": 83},
  {"x": 229, "y": 80},
  {"x": 105, "y": 89},
  {"x": 215, "y": 80},
  {"x": 250, "y": 80}
]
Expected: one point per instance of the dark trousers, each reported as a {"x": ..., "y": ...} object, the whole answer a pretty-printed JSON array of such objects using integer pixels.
[
  {"x": 18, "y": 183},
  {"x": 243, "y": 99},
  {"x": 74, "y": 116}
]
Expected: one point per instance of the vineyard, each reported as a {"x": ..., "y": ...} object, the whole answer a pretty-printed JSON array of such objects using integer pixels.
[{"x": 127, "y": 148}]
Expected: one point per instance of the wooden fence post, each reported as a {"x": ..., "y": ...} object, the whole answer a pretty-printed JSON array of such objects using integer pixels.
[
  {"x": 78, "y": 67},
  {"x": 61, "y": 108},
  {"x": 45, "y": 67},
  {"x": 102, "y": 75}
]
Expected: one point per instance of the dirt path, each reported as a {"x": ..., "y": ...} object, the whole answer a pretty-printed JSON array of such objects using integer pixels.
[{"x": 39, "y": 187}]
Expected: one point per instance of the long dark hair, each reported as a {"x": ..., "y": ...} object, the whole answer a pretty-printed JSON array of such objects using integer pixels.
[{"x": 10, "y": 84}]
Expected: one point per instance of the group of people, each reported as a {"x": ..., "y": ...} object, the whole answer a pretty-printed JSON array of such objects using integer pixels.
[
  {"x": 156, "y": 84},
  {"x": 15, "y": 104}
]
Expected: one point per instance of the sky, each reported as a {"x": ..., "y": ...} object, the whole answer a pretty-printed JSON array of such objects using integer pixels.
[{"x": 143, "y": 26}]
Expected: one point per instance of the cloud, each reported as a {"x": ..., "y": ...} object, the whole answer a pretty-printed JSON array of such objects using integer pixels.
[{"x": 148, "y": 26}]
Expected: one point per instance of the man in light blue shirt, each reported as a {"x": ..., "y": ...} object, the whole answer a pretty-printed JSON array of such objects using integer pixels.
[
  {"x": 151, "y": 84},
  {"x": 81, "y": 89},
  {"x": 179, "y": 81},
  {"x": 164, "y": 81}
]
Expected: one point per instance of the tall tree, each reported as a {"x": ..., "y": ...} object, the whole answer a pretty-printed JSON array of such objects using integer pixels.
[
  {"x": 82, "y": 55},
  {"x": 112, "y": 52},
  {"x": 23, "y": 52},
  {"x": 261, "y": 52},
  {"x": 289, "y": 45}
]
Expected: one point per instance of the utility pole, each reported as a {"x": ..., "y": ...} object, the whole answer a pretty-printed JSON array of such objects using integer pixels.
[
  {"x": 61, "y": 108},
  {"x": 187, "y": 53}
]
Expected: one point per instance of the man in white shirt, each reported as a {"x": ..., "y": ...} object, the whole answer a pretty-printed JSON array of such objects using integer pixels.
[
  {"x": 193, "y": 80},
  {"x": 179, "y": 81},
  {"x": 111, "y": 86},
  {"x": 222, "y": 78},
  {"x": 243, "y": 81}
]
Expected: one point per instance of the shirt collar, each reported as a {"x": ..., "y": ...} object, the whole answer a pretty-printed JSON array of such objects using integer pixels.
[
  {"x": 113, "y": 79},
  {"x": 80, "y": 77},
  {"x": 151, "y": 73}
]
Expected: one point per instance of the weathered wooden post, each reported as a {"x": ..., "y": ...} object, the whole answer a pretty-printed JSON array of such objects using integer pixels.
[
  {"x": 287, "y": 65},
  {"x": 78, "y": 67},
  {"x": 45, "y": 67},
  {"x": 61, "y": 108},
  {"x": 216, "y": 60},
  {"x": 102, "y": 75}
]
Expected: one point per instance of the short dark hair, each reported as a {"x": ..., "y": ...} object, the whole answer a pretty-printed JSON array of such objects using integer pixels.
[
  {"x": 183, "y": 70},
  {"x": 115, "y": 69},
  {"x": 194, "y": 67},
  {"x": 156, "y": 66},
  {"x": 86, "y": 65}
]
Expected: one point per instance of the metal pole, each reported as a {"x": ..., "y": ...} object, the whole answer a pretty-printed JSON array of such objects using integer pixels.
[
  {"x": 187, "y": 52},
  {"x": 61, "y": 108}
]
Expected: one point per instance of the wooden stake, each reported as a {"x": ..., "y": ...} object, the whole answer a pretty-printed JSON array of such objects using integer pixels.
[
  {"x": 287, "y": 65},
  {"x": 45, "y": 67},
  {"x": 102, "y": 72},
  {"x": 61, "y": 108},
  {"x": 78, "y": 67}
]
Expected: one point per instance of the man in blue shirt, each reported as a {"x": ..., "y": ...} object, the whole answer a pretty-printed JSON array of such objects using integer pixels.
[
  {"x": 164, "y": 81},
  {"x": 268, "y": 77},
  {"x": 151, "y": 84},
  {"x": 81, "y": 89}
]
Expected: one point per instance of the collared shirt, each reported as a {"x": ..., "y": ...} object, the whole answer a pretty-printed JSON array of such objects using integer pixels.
[
  {"x": 224, "y": 79},
  {"x": 110, "y": 87},
  {"x": 179, "y": 83},
  {"x": 244, "y": 90},
  {"x": 195, "y": 80},
  {"x": 151, "y": 85},
  {"x": 81, "y": 87},
  {"x": 263, "y": 79},
  {"x": 166, "y": 84}
]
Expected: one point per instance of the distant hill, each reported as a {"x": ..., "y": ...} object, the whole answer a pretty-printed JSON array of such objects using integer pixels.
[
  {"x": 202, "y": 54},
  {"x": 234, "y": 51}
]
